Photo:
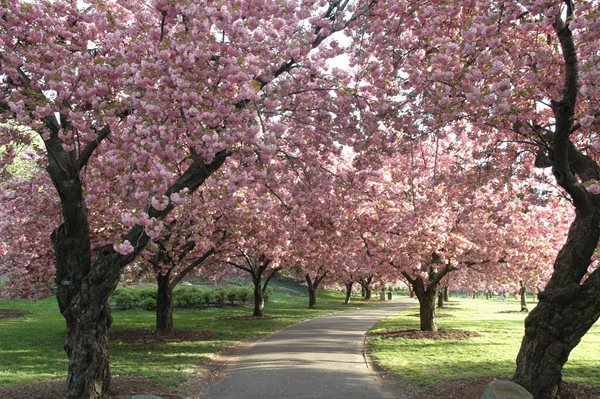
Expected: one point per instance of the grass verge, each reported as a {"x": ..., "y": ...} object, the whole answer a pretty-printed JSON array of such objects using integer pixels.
[
  {"x": 420, "y": 362},
  {"x": 31, "y": 345}
]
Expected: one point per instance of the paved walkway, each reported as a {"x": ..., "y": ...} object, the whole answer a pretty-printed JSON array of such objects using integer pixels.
[{"x": 319, "y": 358}]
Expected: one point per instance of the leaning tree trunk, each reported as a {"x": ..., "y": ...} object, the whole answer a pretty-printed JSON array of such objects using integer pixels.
[
  {"x": 348, "y": 292},
  {"x": 164, "y": 303},
  {"x": 566, "y": 310}
]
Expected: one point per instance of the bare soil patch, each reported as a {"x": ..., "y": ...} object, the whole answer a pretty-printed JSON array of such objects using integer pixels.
[
  {"x": 10, "y": 313},
  {"x": 121, "y": 388},
  {"x": 442, "y": 333},
  {"x": 154, "y": 337},
  {"x": 246, "y": 317},
  {"x": 437, "y": 315},
  {"x": 473, "y": 388},
  {"x": 513, "y": 311}
]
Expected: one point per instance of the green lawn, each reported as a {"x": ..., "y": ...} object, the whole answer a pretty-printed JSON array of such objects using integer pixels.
[
  {"x": 31, "y": 346},
  {"x": 424, "y": 361}
]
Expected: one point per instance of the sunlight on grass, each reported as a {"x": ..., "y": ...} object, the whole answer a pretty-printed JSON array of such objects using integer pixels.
[{"x": 423, "y": 361}]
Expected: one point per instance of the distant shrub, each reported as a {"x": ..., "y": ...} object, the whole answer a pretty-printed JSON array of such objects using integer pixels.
[{"x": 183, "y": 297}]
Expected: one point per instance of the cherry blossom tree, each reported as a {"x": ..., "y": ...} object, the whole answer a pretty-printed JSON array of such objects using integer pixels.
[
  {"x": 524, "y": 75},
  {"x": 145, "y": 101}
]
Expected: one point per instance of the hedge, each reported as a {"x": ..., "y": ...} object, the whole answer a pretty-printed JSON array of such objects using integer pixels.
[{"x": 184, "y": 297}]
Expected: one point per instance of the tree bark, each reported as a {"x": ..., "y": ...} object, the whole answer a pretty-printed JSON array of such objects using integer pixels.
[
  {"x": 365, "y": 284},
  {"x": 313, "y": 286},
  {"x": 164, "y": 303},
  {"x": 348, "y": 292},
  {"x": 566, "y": 310},
  {"x": 440, "y": 299},
  {"x": 85, "y": 285},
  {"x": 259, "y": 299},
  {"x": 446, "y": 294},
  {"x": 426, "y": 297},
  {"x": 523, "y": 295}
]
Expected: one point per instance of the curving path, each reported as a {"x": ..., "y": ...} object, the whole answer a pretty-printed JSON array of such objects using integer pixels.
[{"x": 318, "y": 358}]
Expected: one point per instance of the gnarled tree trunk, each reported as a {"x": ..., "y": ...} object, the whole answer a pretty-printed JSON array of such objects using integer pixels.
[
  {"x": 569, "y": 305},
  {"x": 567, "y": 309}
]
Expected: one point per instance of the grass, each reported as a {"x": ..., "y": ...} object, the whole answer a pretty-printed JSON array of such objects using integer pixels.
[
  {"x": 421, "y": 362},
  {"x": 31, "y": 346}
]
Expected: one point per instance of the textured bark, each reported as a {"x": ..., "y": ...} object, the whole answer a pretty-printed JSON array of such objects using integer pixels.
[
  {"x": 565, "y": 312},
  {"x": 348, "y": 292},
  {"x": 164, "y": 303}
]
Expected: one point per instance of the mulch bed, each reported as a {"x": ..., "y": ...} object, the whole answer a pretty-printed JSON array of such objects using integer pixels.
[
  {"x": 437, "y": 315},
  {"x": 10, "y": 313},
  {"x": 442, "y": 333},
  {"x": 153, "y": 337},
  {"x": 121, "y": 388},
  {"x": 246, "y": 317},
  {"x": 473, "y": 388}
]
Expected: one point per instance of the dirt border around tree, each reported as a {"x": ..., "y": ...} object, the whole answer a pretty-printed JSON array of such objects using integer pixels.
[{"x": 7, "y": 313}]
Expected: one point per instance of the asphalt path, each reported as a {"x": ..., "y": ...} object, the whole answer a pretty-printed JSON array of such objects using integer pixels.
[{"x": 319, "y": 358}]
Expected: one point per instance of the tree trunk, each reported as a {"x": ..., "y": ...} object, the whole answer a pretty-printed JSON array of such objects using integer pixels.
[
  {"x": 411, "y": 292},
  {"x": 348, "y": 292},
  {"x": 367, "y": 293},
  {"x": 440, "y": 299},
  {"x": 362, "y": 292},
  {"x": 164, "y": 303},
  {"x": 566, "y": 310},
  {"x": 523, "y": 294},
  {"x": 427, "y": 310},
  {"x": 312, "y": 298},
  {"x": 259, "y": 299},
  {"x": 446, "y": 294}
]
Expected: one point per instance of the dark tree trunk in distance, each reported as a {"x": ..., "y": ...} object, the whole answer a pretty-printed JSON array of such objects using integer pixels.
[
  {"x": 166, "y": 284},
  {"x": 313, "y": 286},
  {"x": 348, "y": 292},
  {"x": 446, "y": 294},
  {"x": 258, "y": 267},
  {"x": 523, "y": 295},
  {"x": 365, "y": 284},
  {"x": 440, "y": 299},
  {"x": 164, "y": 303}
]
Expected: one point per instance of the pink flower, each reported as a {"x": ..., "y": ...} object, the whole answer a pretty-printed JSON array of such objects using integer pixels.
[
  {"x": 594, "y": 188},
  {"x": 160, "y": 203},
  {"x": 124, "y": 248}
]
